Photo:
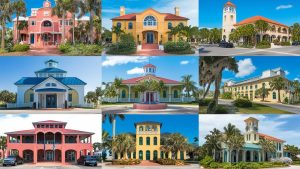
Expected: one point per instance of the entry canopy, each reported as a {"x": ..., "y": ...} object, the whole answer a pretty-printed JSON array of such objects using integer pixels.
[{"x": 51, "y": 90}]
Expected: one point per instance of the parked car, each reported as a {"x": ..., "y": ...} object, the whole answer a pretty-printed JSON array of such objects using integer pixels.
[
  {"x": 87, "y": 160},
  {"x": 296, "y": 43},
  {"x": 12, "y": 160},
  {"x": 224, "y": 44}
]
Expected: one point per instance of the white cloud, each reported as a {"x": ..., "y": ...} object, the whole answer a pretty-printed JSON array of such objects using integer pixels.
[
  {"x": 272, "y": 127},
  {"x": 86, "y": 122},
  {"x": 286, "y": 72},
  {"x": 297, "y": 79},
  {"x": 246, "y": 67},
  {"x": 136, "y": 70},
  {"x": 121, "y": 60},
  {"x": 284, "y": 7},
  {"x": 184, "y": 62}
]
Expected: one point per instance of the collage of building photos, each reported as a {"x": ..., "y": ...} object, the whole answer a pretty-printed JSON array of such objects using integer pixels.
[{"x": 150, "y": 84}]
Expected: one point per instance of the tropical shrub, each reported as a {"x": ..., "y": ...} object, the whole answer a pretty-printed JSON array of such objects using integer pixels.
[
  {"x": 276, "y": 42},
  {"x": 226, "y": 95},
  {"x": 126, "y": 162},
  {"x": 21, "y": 47},
  {"x": 2, "y": 51},
  {"x": 125, "y": 46},
  {"x": 204, "y": 102},
  {"x": 250, "y": 45},
  {"x": 170, "y": 162},
  {"x": 285, "y": 43},
  {"x": 206, "y": 161},
  {"x": 242, "y": 103},
  {"x": 80, "y": 49},
  {"x": 263, "y": 44},
  {"x": 180, "y": 47},
  {"x": 65, "y": 48},
  {"x": 286, "y": 100},
  {"x": 221, "y": 110}
]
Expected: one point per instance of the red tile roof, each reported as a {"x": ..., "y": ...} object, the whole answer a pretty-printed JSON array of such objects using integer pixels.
[
  {"x": 49, "y": 121},
  {"x": 150, "y": 65},
  {"x": 126, "y": 17},
  {"x": 257, "y": 18},
  {"x": 174, "y": 17},
  {"x": 21, "y": 132},
  {"x": 229, "y": 4},
  {"x": 62, "y": 130},
  {"x": 137, "y": 79},
  {"x": 271, "y": 138}
]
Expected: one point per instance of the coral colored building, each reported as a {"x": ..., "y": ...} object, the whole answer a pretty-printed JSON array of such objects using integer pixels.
[
  {"x": 45, "y": 29},
  {"x": 49, "y": 141}
]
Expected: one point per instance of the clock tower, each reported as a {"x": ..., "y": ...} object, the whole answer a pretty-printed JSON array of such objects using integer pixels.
[
  {"x": 229, "y": 20},
  {"x": 251, "y": 134},
  {"x": 47, "y": 4}
]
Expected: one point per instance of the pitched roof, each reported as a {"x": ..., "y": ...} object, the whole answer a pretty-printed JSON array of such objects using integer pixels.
[
  {"x": 70, "y": 131},
  {"x": 37, "y": 80},
  {"x": 150, "y": 65},
  {"x": 21, "y": 132},
  {"x": 271, "y": 138},
  {"x": 148, "y": 122},
  {"x": 51, "y": 70},
  {"x": 257, "y": 18},
  {"x": 137, "y": 79},
  {"x": 229, "y": 4},
  {"x": 49, "y": 121},
  {"x": 174, "y": 17},
  {"x": 131, "y": 16},
  {"x": 63, "y": 131},
  {"x": 250, "y": 119}
]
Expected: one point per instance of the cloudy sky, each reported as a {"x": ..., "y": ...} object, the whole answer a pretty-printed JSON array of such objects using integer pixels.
[
  {"x": 85, "y": 122},
  {"x": 111, "y": 8},
  {"x": 171, "y": 67},
  {"x": 86, "y": 68},
  {"x": 284, "y": 11},
  {"x": 284, "y": 127}
]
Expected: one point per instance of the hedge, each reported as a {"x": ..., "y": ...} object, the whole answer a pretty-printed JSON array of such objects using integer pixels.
[
  {"x": 21, "y": 47},
  {"x": 242, "y": 103},
  {"x": 170, "y": 162},
  {"x": 263, "y": 45},
  {"x": 180, "y": 47},
  {"x": 126, "y": 162}
]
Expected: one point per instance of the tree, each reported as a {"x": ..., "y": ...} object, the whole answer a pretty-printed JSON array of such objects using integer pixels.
[
  {"x": 74, "y": 6},
  {"x": 235, "y": 142},
  {"x": 262, "y": 92},
  {"x": 61, "y": 9},
  {"x": 204, "y": 35},
  {"x": 7, "y": 97},
  {"x": 96, "y": 146},
  {"x": 213, "y": 140},
  {"x": 293, "y": 150},
  {"x": 6, "y": 11},
  {"x": 20, "y": 10},
  {"x": 277, "y": 84},
  {"x": 123, "y": 144},
  {"x": 3, "y": 144},
  {"x": 295, "y": 32},
  {"x": 267, "y": 147},
  {"x": 188, "y": 84},
  {"x": 261, "y": 27},
  {"x": 174, "y": 143},
  {"x": 296, "y": 89},
  {"x": 117, "y": 85},
  {"x": 118, "y": 31},
  {"x": 215, "y": 35}
]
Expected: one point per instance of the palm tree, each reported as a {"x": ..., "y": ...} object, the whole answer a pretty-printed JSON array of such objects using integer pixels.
[
  {"x": 261, "y": 27},
  {"x": 3, "y": 144},
  {"x": 295, "y": 32},
  {"x": 204, "y": 34},
  {"x": 235, "y": 142},
  {"x": 268, "y": 147},
  {"x": 277, "y": 84},
  {"x": 6, "y": 11},
  {"x": 74, "y": 8},
  {"x": 93, "y": 7},
  {"x": 61, "y": 8},
  {"x": 123, "y": 144},
  {"x": 117, "y": 85},
  {"x": 188, "y": 84},
  {"x": 262, "y": 92},
  {"x": 214, "y": 141},
  {"x": 296, "y": 86},
  {"x": 174, "y": 143},
  {"x": 118, "y": 31},
  {"x": 20, "y": 10}
]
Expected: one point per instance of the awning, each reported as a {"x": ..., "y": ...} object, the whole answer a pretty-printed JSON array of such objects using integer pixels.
[{"x": 50, "y": 90}]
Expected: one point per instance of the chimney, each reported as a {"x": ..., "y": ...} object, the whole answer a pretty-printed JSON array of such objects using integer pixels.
[
  {"x": 122, "y": 10},
  {"x": 177, "y": 11}
]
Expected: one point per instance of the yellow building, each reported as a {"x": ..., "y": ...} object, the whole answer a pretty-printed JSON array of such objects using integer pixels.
[
  {"x": 247, "y": 88},
  {"x": 148, "y": 143},
  {"x": 149, "y": 26}
]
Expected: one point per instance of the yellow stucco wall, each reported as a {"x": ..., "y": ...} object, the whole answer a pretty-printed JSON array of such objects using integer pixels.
[
  {"x": 27, "y": 96},
  {"x": 139, "y": 30}
]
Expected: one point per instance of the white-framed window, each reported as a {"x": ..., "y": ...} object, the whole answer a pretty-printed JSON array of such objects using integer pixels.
[
  {"x": 150, "y": 21},
  {"x": 33, "y": 23}
]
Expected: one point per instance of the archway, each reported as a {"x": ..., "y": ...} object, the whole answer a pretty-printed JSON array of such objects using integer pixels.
[
  {"x": 148, "y": 156},
  {"x": 70, "y": 156},
  {"x": 155, "y": 155},
  {"x": 248, "y": 156},
  {"x": 140, "y": 155},
  {"x": 255, "y": 156},
  {"x": 28, "y": 156}
]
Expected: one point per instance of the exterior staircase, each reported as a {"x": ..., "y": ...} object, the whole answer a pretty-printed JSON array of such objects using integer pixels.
[{"x": 150, "y": 46}]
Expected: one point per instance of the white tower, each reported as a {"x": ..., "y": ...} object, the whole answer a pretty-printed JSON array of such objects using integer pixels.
[
  {"x": 251, "y": 134},
  {"x": 229, "y": 19},
  {"x": 149, "y": 69}
]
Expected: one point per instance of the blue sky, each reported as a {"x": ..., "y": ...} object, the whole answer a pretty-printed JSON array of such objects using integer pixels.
[
  {"x": 111, "y": 9},
  {"x": 186, "y": 125},
  {"x": 254, "y": 66},
  {"x": 171, "y": 67},
  {"x": 284, "y": 11},
  {"x": 285, "y": 127},
  {"x": 85, "y": 68}
]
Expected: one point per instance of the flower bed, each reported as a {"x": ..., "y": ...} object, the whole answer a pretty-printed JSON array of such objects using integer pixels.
[
  {"x": 170, "y": 162},
  {"x": 180, "y": 48},
  {"x": 126, "y": 162},
  {"x": 80, "y": 49}
]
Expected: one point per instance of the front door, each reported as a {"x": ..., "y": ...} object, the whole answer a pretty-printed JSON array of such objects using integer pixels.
[
  {"x": 51, "y": 101},
  {"x": 49, "y": 156},
  {"x": 150, "y": 37},
  {"x": 31, "y": 38},
  {"x": 147, "y": 155}
]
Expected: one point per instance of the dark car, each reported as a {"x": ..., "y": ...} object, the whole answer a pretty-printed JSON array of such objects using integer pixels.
[
  {"x": 224, "y": 44},
  {"x": 12, "y": 160},
  {"x": 87, "y": 160},
  {"x": 296, "y": 43}
]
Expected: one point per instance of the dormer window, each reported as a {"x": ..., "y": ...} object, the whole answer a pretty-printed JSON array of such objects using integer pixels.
[{"x": 48, "y": 84}]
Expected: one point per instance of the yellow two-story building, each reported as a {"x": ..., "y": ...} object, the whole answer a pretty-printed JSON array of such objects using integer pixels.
[{"x": 149, "y": 26}]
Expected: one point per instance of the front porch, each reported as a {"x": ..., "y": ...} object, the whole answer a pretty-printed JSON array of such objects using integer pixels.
[{"x": 45, "y": 99}]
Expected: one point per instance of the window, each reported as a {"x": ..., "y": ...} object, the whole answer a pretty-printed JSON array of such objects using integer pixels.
[
  {"x": 48, "y": 84},
  {"x": 141, "y": 155},
  {"x": 155, "y": 141},
  {"x": 255, "y": 86},
  {"x": 31, "y": 97},
  {"x": 150, "y": 21},
  {"x": 274, "y": 95},
  {"x": 181, "y": 24},
  {"x": 130, "y": 25},
  {"x": 53, "y": 84},
  {"x": 170, "y": 26},
  {"x": 140, "y": 140},
  {"x": 70, "y": 98},
  {"x": 47, "y": 24},
  {"x": 119, "y": 25},
  {"x": 175, "y": 94},
  {"x": 123, "y": 93},
  {"x": 141, "y": 128},
  {"x": 33, "y": 23},
  {"x": 164, "y": 94},
  {"x": 148, "y": 141}
]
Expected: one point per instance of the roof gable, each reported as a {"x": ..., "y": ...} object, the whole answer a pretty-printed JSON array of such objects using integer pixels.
[
  {"x": 50, "y": 80},
  {"x": 142, "y": 78},
  {"x": 37, "y": 80}
]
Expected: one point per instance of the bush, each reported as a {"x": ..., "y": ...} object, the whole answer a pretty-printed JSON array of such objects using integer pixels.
[
  {"x": 126, "y": 162},
  {"x": 65, "y": 48},
  {"x": 286, "y": 100},
  {"x": 226, "y": 95},
  {"x": 204, "y": 102},
  {"x": 80, "y": 49},
  {"x": 285, "y": 43},
  {"x": 2, "y": 51},
  {"x": 180, "y": 47},
  {"x": 250, "y": 45},
  {"x": 214, "y": 165},
  {"x": 206, "y": 161},
  {"x": 263, "y": 45},
  {"x": 125, "y": 46},
  {"x": 242, "y": 103},
  {"x": 221, "y": 110},
  {"x": 170, "y": 162},
  {"x": 276, "y": 42},
  {"x": 21, "y": 47}
]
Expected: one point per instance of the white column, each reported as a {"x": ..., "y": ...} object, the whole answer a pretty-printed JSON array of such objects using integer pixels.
[
  {"x": 170, "y": 94},
  {"x": 36, "y": 99},
  {"x": 251, "y": 156},
  {"x": 129, "y": 93},
  {"x": 259, "y": 156},
  {"x": 244, "y": 155},
  {"x": 66, "y": 98}
]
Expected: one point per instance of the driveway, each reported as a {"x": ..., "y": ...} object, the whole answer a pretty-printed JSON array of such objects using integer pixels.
[
  {"x": 193, "y": 166},
  {"x": 285, "y": 107},
  {"x": 213, "y": 50},
  {"x": 172, "y": 109}
]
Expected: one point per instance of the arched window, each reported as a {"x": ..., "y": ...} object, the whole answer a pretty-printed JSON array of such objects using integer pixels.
[
  {"x": 123, "y": 93},
  {"x": 141, "y": 128},
  {"x": 119, "y": 25},
  {"x": 155, "y": 155},
  {"x": 155, "y": 141},
  {"x": 140, "y": 140},
  {"x": 175, "y": 94},
  {"x": 148, "y": 141},
  {"x": 141, "y": 155},
  {"x": 130, "y": 25},
  {"x": 170, "y": 26},
  {"x": 150, "y": 21},
  {"x": 47, "y": 24},
  {"x": 148, "y": 155},
  {"x": 274, "y": 95}
]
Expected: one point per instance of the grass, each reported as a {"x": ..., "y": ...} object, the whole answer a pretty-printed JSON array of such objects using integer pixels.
[
  {"x": 202, "y": 109},
  {"x": 261, "y": 109}
]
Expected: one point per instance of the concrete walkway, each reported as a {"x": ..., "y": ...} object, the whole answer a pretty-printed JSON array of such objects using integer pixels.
[
  {"x": 47, "y": 51},
  {"x": 285, "y": 107}
]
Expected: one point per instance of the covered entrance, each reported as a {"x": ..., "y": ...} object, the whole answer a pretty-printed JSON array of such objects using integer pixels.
[
  {"x": 147, "y": 155},
  {"x": 150, "y": 97},
  {"x": 150, "y": 37},
  {"x": 51, "y": 101}
]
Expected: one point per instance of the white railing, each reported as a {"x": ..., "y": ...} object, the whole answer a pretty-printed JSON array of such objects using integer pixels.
[{"x": 15, "y": 105}]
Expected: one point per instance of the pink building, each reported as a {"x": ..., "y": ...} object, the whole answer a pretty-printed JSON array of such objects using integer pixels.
[
  {"x": 49, "y": 141},
  {"x": 45, "y": 29}
]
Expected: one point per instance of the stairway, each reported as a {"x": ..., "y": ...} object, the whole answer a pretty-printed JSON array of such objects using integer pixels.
[
  {"x": 150, "y": 46},
  {"x": 148, "y": 163}
]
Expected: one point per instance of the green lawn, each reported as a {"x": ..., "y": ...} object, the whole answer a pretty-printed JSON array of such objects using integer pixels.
[
  {"x": 261, "y": 109},
  {"x": 202, "y": 109}
]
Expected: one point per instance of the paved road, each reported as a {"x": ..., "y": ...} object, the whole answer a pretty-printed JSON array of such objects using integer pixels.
[
  {"x": 291, "y": 167},
  {"x": 53, "y": 111},
  {"x": 289, "y": 108},
  {"x": 51, "y": 167},
  {"x": 212, "y": 50},
  {"x": 193, "y": 166},
  {"x": 172, "y": 109}
]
